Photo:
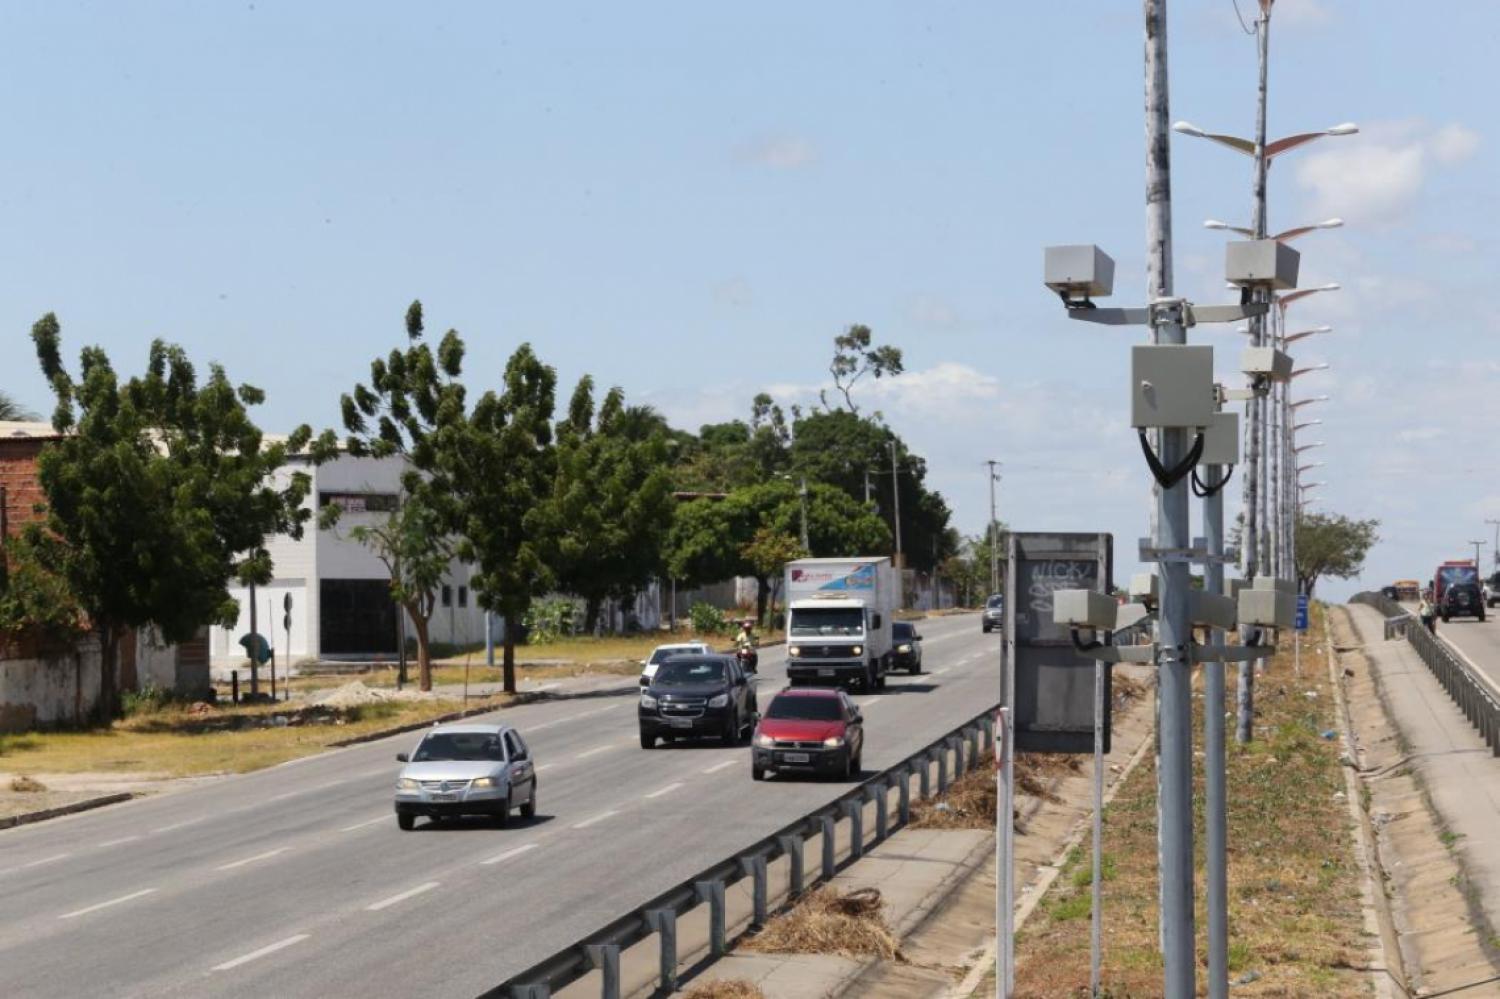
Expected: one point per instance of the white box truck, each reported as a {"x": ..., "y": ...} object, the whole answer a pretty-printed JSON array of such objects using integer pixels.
[{"x": 838, "y": 623}]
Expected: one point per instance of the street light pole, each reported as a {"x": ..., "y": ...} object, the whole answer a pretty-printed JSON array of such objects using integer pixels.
[
  {"x": 1496, "y": 549},
  {"x": 1477, "y": 545},
  {"x": 994, "y": 538},
  {"x": 896, "y": 502},
  {"x": 802, "y": 497},
  {"x": 1175, "y": 773}
]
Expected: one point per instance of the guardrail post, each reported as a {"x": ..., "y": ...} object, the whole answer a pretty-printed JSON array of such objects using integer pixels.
[
  {"x": 663, "y": 923},
  {"x": 924, "y": 771},
  {"x": 756, "y": 867},
  {"x": 942, "y": 762},
  {"x": 903, "y": 794},
  {"x": 876, "y": 795},
  {"x": 712, "y": 892},
  {"x": 606, "y": 957},
  {"x": 830, "y": 860},
  {"x": 973, "y": 747},
  {"x": 530, "y": 992},
  {"x": 856, "y": 812},
  {"x": 987, "y": 733},
  {"x": 792, "y": 847}
]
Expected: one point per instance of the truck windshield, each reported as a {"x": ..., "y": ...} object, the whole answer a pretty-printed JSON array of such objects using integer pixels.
[{"x": 814, "y": 622}]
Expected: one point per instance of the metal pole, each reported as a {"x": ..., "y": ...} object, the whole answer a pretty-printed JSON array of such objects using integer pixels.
[
  {"x": 896, "y": 503},
  {"x": 1216, "y": 839},
  {"x": 802, "y": 497},
  {"x": 1496, "y": 549},
  {"x": 1175, "y": 774},
  {"x": 867, "y": 487},
  {"x": 1477, "y": 545},
  {"x": 254, "y": 662},
  {"x": 994, "y": 531},
  {"x": 489, "y": 638},
  {"x": 1096, "y": 926}
]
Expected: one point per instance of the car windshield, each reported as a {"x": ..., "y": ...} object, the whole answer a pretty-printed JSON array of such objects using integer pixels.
[
  {"x": 668, "y": 652},
  {"x": 995, "y": 601},
  {"x": 683, "y": 672},
  {"x": 459, "y": 746},
  {"x": 804, "y": 708},
  {"x": 1452, "y": 575},
  {"x": 903, "y": 630},
  {"x": 818, "y": 621}
]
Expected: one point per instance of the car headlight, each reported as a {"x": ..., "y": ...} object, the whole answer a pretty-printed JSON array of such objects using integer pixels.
[
  {"x": 647, "y": 701},
  {"x": 858, "y": 650},
  {"x": 903, "y": 648},
  {"x": 407, "y": 784},
  {"x": 764, "y": 741},
  {"x": 833, "y": 741},
  {"x": 794, "y": 651},
  {"x": 483, "y": 782},
  {"x": 718, "y": 700}
]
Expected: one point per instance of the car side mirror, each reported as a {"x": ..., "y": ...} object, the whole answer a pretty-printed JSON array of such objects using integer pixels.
[
  {"x": 403, "y": 758},
  {"x": 856, "y": 717},
  {"x": 916, "y": 638},
  {"x": 645, "y": 681}
]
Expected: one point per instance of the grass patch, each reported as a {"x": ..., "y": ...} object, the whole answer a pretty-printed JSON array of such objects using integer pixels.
[
  {"x": 734, "y": 988},
  {"x": 1294, "y": 908},
  {"x": 181, "y": 741},
  {"x": 827, "y": 921}
]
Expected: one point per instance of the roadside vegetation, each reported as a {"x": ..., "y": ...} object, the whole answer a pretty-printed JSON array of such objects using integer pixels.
[
  {"x": 1296, "y": 924},
  {"x": 829, "y": 921}
]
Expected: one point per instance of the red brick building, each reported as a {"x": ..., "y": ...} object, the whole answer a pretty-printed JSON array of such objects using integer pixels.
[{"x": 20, "y": 492}]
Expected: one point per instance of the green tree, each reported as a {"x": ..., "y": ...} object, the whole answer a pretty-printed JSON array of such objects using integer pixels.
[
  {"x": 854, "y": 356},
  {"x": 12, "y": 410},
  {"x": 417, "y": 550},
  {"x": 613, "y": 499},
  {"x": 159, "y": 492},
  {"x": 1332, "y": 545},
  {"x": 33, "y": 598}
]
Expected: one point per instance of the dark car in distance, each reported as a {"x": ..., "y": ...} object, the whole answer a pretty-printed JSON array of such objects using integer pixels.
[
  {"x": 906, "y": 647},
  {"x": 994, "y": 613},
  {"x": 694, "y": 696},
  {"x": 809, "y": 730}
]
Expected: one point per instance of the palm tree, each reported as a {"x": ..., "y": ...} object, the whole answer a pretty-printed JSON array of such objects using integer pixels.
[{"x": 12, "y": 410}]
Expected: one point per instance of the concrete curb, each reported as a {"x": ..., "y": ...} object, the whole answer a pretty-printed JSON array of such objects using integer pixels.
[{"x": 78, "y": 806}]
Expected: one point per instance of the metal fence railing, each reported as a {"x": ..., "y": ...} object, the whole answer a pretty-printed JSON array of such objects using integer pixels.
[
  {"x": 1473, "y": 694},
  {"x": 945, "y": 759}
]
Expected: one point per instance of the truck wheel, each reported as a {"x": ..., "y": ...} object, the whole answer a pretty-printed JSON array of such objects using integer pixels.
[{"x": 757, "y": 773}]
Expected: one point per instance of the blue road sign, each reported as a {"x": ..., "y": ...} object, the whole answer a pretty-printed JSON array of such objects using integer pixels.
[{"x": 1302, "y": 612}]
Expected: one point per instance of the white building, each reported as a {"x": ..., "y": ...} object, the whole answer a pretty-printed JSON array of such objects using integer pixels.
[{"x": 340, "y": 598}]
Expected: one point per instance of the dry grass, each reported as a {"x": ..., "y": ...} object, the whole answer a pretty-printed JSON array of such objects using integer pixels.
[
  {"x": 734, "y": 988},
  {"x": 23, "y": 784},
  {"x": 185, "y": 741},
  {"x": 1295, "y": 913},
  {"x": 826, "y": 921},
  {"x": 969, "y": 802}
]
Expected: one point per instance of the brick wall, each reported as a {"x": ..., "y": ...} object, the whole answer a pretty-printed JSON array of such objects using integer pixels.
[{"x": 18, "y": 482}]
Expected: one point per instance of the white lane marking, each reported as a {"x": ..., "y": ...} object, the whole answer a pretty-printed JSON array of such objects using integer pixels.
[
  {"x": 268, "y": 949},
  {"x": 594, "y": 752},
  {"x": 36, "y": 863},
  {"x": 544, "y": 766},
  {"x": 595, "y": 820},
  {"x": 117, "y": 842},
  {"x": 409, "y": 893},
  {"x": 866, "y": 704},
  {"x": 105, "y": 905},
  {"x": 666, "y": 790},
  {"x": 366, "y": 822},
  {"x": 251, "y": 860},
  {"x": 940, "y": 672},
  {"x": 180, "y": 825},
  {"x": 719, "y": 766},
  {"x": 497, "y": 858}
]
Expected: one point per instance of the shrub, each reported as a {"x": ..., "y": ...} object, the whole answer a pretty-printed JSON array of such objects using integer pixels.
[
  {"x": 148, "y": 700},
  {"x": 549, "y": 620},
  {"x": 707, "y": 619}
]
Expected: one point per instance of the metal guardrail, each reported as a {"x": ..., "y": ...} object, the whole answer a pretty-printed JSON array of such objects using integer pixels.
[
  {"x": 600, "y": 950},
  {"x": 1472, "y": 693}
]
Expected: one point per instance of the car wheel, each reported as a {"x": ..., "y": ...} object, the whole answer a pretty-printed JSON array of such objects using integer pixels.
[
  {"x": 859, "y": 762},
  {"x": 502, "y": 814},
  {"x": 648, "y": 741},
  {"x": 848, "y": 765},
  {"x": 732, "y": 730},
  {"x": 757, "y": 773},
  {"x": 1445, "y": 618},
  {"x": 406, "y": 821},
  {"x": 528, "y": 810},
  {"x": 986, "y": 629}
]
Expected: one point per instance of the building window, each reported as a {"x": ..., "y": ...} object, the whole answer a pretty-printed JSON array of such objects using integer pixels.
[
  {"x": 447, "y": 595},
  {"x": 463, "y": 596},
  {"x": 360, "y": 502}
]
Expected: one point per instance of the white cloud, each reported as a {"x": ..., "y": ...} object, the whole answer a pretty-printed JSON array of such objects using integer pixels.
[
  {"x": 779, "y": 152},
  {"x": 1378, "y": 175}
]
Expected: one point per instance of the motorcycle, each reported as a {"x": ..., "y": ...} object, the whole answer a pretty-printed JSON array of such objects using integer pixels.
[{"x": 748, "y": 657}]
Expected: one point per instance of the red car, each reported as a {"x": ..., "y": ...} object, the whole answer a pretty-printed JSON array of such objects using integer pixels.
[{"x": 809, "y": 730}]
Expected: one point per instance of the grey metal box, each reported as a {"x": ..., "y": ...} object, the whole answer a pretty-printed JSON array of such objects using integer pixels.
[
  {"x": 1084, "y": 609},
  {"x": 1083, "y": 269},
  {"x": 1145, "y": 588},
  {"x": 1267, "y": 608},
  {"x": 1266, "y": 361},
  {"x": 1272, "y": 583},
  {"x": 1261, "y": 263},
  {"x": 1172, "y": 385},
  {"x": 1211, "y": 610},
  {"x": 1221, "y": 440}
]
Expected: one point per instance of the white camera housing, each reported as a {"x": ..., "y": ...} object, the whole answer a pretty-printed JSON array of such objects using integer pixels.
[
  {"x": 1266, "y": 361},
  {"x": 1079, "y": 271},
  {"x": 1261, "y": 263},
  {"x": 1221, "y": 440},
  {"x": 1211, "y": 610},
  {"x": 1268, "y": 608},
  {"x": 1172, "y": 385},
  {"x": 1084, "y": 609}
]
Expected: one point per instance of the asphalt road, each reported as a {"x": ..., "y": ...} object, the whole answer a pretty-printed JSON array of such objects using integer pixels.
[
  {"x": 1479, "y": 641},
  {"x": 295, "y": 881}
]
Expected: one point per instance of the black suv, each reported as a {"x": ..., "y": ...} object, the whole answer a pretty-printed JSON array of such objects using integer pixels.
[
  {"x": 697, "y": 696},
  {"x": 907, "y": 653},
  {"x": 1462, "y": 597},
  {"x": 994, "y": 613}
]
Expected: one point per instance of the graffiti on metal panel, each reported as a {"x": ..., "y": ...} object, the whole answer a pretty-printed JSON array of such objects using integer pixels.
[{"x": 1047, "y": 577}]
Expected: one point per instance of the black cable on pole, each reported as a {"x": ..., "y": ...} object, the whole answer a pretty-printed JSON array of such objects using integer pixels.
[
  {"x": 1167, "y": 478},
  {"x": 1203, "y": 490}
]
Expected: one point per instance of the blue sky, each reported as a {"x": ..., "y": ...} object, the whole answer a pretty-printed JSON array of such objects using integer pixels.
[{"x": 690, "y": 200}]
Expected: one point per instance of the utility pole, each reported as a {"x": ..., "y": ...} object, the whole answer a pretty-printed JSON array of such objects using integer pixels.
[
  {"x": 1477, "y": 545},
  {"x": 896, "y": 503},
  {"x": 802, "y": 497},
  {"x": 994, "y": 530},
  {"x": 1174, "y": 691},
  {"x": 867, "y": 487},
  {"x": 1495, "y": 549}
]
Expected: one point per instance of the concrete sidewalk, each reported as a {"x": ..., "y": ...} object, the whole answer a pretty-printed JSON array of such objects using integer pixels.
[{"x": 1459, "y": 773}]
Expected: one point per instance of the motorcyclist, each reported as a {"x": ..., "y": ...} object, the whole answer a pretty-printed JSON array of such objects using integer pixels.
[{"x": 746, "y": 637}]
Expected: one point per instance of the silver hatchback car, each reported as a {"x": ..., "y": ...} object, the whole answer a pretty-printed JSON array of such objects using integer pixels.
[{"x": 466, "y": 770}]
